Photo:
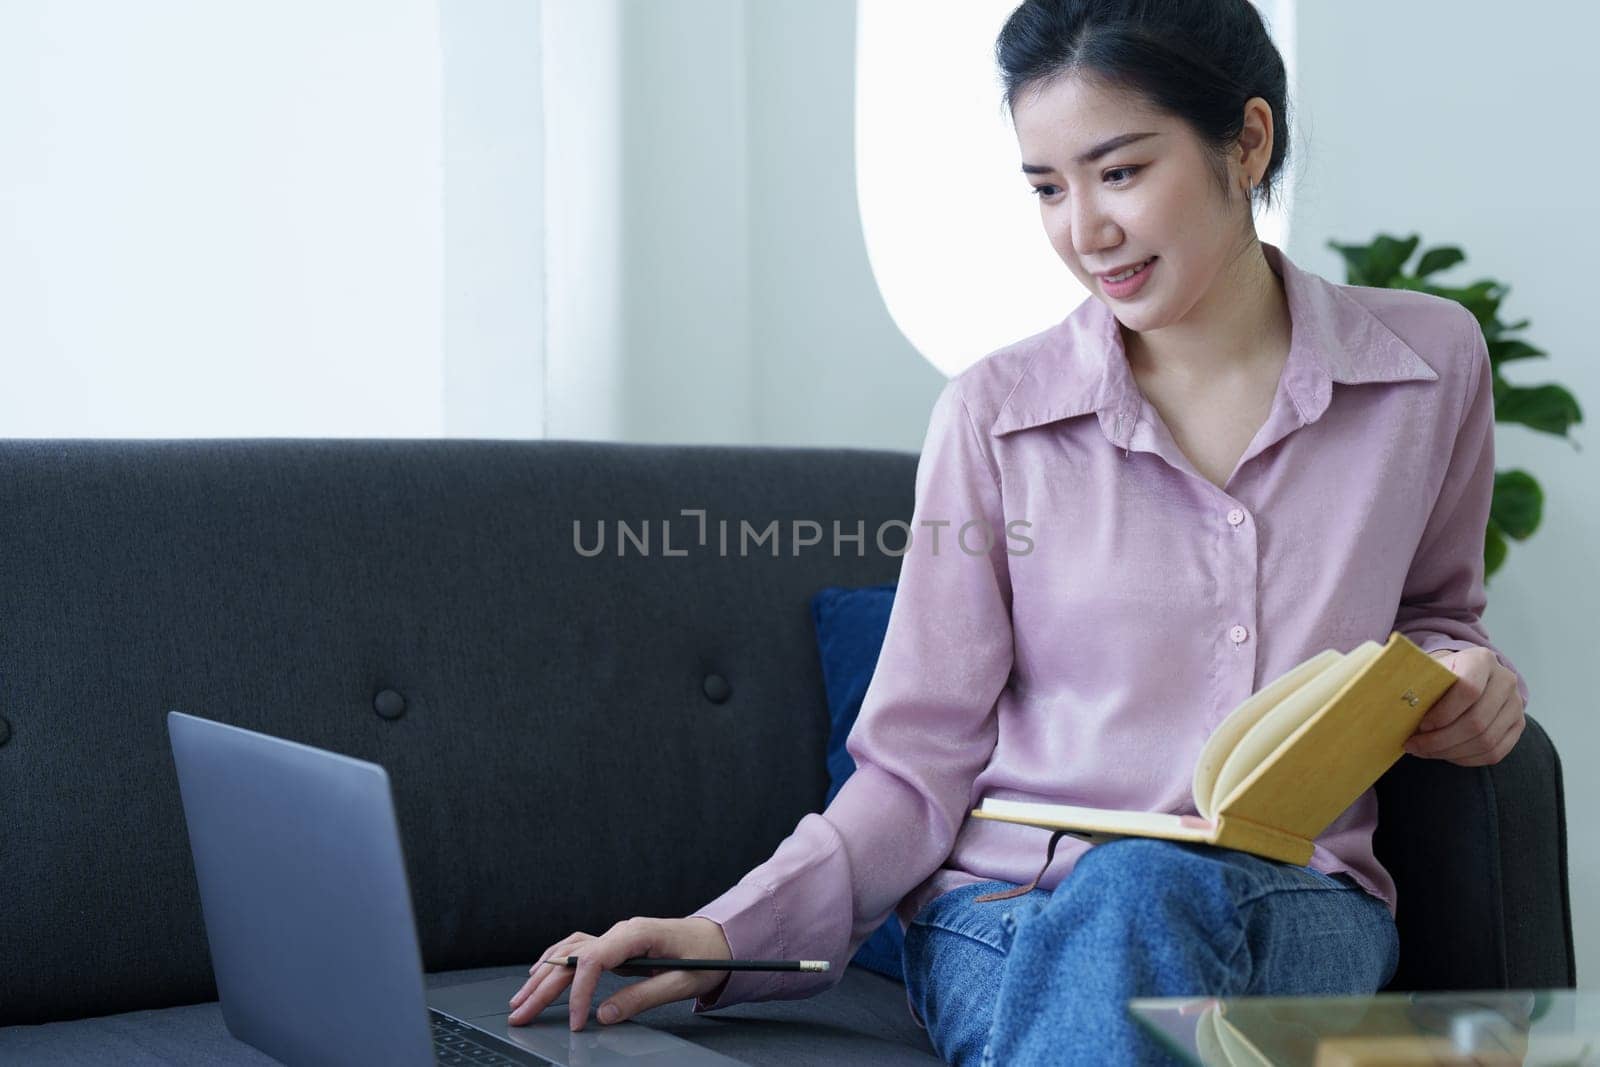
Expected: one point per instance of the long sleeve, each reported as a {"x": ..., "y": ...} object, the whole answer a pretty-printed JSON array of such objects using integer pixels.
[
  {"x": 927, "y": 727},
  {"x": 1443, "y": 599}
]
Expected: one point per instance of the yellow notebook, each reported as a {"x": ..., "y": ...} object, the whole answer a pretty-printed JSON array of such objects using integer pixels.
[{"x": 1285, "y": 763}]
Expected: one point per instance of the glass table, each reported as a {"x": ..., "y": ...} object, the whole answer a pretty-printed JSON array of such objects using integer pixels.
[{"x": 1527, "y": 1028}]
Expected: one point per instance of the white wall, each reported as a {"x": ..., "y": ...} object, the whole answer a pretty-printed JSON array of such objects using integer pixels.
[
  {"x": 832, "y": 368},
  {"x": 493, "y": 273},
  {"x": 747, "y": 309},
  {"x": 221, "y": 219},
  {"x": 583, "y": 221},
  {"x": 271, "y": 218},
  {"x": 1457, "y": 122},
  {"x": 683, "y": 195}
]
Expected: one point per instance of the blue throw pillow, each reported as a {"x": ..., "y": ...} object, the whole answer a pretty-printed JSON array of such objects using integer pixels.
[{"x": 850, "y": 626}]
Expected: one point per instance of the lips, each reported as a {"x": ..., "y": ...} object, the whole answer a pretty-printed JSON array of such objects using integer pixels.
[{"x": 1108, "y": 275}]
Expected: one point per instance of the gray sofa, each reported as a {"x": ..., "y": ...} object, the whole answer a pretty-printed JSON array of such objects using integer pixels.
[{"x": 572, "y": 740}]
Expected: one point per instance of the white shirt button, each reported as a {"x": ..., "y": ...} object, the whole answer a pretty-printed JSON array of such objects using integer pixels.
[
  {"x": 1235, "y": 517},
  {"x": 1238, "y": 633}
]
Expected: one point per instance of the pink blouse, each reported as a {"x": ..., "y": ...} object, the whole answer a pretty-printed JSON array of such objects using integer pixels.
[{"x": 1079, "y": 607}]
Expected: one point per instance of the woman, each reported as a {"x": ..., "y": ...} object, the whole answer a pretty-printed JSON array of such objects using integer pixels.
[{"x": 1221, "y": 465}]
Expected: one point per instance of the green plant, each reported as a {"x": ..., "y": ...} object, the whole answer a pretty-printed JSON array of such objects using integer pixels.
[{"x": 1518, "y": 500}]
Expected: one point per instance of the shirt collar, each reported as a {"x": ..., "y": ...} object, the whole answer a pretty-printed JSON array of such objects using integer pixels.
[{"x": 1080, "y": 364}]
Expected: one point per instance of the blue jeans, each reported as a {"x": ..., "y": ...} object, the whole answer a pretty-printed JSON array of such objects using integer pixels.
[{"x": 1044, "y": 978}]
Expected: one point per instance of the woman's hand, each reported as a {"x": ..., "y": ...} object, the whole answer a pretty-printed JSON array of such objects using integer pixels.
[
  {"x": 696, "y": 938},
  {"x": 1478, "y": 719}
]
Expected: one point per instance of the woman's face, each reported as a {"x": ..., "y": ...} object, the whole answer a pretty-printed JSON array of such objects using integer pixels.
[{"x": 1153, "y": 195}]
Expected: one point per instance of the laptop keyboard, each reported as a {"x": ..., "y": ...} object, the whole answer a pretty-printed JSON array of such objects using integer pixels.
[{"x": 456, "y": 1043}]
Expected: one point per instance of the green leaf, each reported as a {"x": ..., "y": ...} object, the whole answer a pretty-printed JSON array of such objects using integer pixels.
[
  {"x": 1504, "y": 351},
  {"x": 1482, "y": 298},
  {"x": 1387, "y": 255},
  {"x": 1494, "y": 549},
  {"x": 1497, "y": 329},
  {"x": 1406, "y": 281},
  {"x": 1547, "y": 408},
  {"x": 1436, "y": 259},
  {"x": 1517, "y": 505},
  {"x": 1355, "y": 262},
  {"x": 1376, "y": 264}
]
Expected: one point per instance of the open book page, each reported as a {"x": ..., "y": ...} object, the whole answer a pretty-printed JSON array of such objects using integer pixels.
[
  {"x": 1286, "y": 762},
  {"x": 1225, "y": 737},
  {"x": 1107, "y": 820},
  {"x": 1272, "y": 728}
]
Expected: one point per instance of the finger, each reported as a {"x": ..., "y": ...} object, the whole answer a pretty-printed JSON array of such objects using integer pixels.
[
  {"x": 540, "y": 992},
  {"x": 536, "y": 974},
  {"x": 535, "y": 980},
  {"x": 1449, "y": 707},
  {"x": 1481, "y": 722},
  {"x": 1509, "y": 743},
  {"x": 542, "y": 969},
  {"x": 545, "y": 980},
  {"x": 1474, "y": 669},
  {"x": 1430, "y": 744},
  {"x": 1481, "y": 747},
  {"x": 1500, "y": 751},
  {"x": 1469, "y": 726},
  {"x": 668, "y": 987},
  {"x": 560, "y": 950},
  {"x": 629, "y": 938},
  {"x": 1474, "y": 744}
]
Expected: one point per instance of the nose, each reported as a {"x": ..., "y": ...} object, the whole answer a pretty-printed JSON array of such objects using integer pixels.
[{"x": 1093, "y": 230}]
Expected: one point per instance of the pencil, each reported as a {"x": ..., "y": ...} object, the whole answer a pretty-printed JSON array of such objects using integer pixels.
[{"x": 661, "y": 962}]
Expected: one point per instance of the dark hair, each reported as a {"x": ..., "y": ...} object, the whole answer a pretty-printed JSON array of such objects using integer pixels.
[{"x": 1198, "y": 60}]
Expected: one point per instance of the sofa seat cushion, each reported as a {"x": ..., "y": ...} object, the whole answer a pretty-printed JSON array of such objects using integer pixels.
[{"x": 863, "y": 1019}]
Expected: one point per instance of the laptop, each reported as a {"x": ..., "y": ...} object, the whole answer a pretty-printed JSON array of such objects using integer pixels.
[{"x": 308, "y": 916}]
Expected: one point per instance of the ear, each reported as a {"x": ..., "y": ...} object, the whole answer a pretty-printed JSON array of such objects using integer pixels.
[{"x": 1255, "y": 140}]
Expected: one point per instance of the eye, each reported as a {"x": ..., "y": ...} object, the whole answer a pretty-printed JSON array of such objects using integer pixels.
[{"x": 1043, "y": 191}]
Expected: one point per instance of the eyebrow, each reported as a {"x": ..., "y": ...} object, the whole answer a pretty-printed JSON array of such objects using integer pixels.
[{"x": 1103, "y": 148}]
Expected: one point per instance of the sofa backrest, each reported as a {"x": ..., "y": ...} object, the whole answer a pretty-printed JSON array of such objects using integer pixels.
[{"x": 572, "y": 740}]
